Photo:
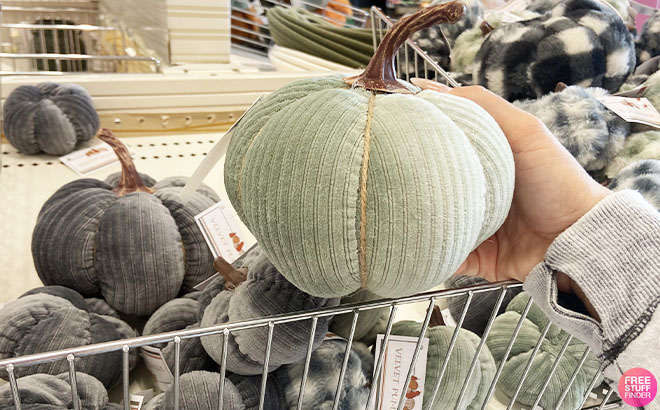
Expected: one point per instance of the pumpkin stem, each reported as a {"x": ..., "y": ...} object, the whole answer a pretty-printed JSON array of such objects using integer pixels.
[
  {"x": 379, "y": 74},
  {"x": 560, "y": 87},
  {"x": 436, "y": 317},
  {"x": 233, "y": 277},
  {"x": 130, "y": 179},
  {"x": 485, "y": 28}
]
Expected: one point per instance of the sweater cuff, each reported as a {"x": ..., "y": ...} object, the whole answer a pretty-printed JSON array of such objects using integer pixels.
[{"x": 612, "y": 254}]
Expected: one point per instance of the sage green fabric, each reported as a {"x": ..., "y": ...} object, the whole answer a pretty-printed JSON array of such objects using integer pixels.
[
  {"x": 530, "y": 332},
  {"x": 639, "y": 146},
  {"x": 457, "y": 369},
  {"x": 369, "y": 324},
  {"x": 302, "y": 30},
  {"x": 292, "y": 172}
]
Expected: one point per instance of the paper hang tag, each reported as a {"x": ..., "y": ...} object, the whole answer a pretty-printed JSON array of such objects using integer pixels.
[
  {"x": 87, "y": 160},
  {"x": 136, "y": 401},
  {"x": 636, "y": 92},
  {"x": 221, "y": 231},
  {"x": 212, "y": 158},
  {"x": 155, "y": 362},
  {"x": 146, "y": 395},
  {"x": 638, "y": 110},
  {"x": 396, "y": 364}
]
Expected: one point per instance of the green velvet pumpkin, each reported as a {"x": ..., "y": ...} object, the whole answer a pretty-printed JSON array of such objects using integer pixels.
[
  {"x": 457, "y": 369},
  {"x": 530, "y": 332},
  {"x": 370, "y": 322},
  {"x": 368, "y": 185}
]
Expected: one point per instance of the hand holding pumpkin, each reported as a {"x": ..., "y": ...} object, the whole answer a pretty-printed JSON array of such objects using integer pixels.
[{"x": 552, "y": 191}]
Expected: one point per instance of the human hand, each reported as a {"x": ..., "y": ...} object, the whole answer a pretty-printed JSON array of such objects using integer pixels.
[{"x": 552, "y": 191}]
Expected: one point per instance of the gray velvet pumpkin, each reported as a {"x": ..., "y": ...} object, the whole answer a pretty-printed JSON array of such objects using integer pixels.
[
  {"x": 179, "y": 314},
  {"x": 521, "y": 351},
  {"x": 49, "y": 117},
  {"x": 136, "y": 245},
  {"x": 262, "y": 292},
  {"x": 199, "y": 391},
  {"x": 53, "y": 318},
  {"x": 53, "y": 392}
]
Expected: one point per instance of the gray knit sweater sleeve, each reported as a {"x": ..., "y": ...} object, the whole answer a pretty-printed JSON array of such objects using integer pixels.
[{"x": 613, "y": 254}]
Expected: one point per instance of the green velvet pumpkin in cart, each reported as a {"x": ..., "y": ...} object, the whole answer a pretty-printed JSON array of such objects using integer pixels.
[
  {"x": 128, "y": 239},
  {"x": 367, "y": 182},
  {"x": 522, "y": 349}
]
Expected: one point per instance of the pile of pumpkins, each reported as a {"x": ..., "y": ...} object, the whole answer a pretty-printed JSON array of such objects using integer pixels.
[{"x": 355, "y": 188}]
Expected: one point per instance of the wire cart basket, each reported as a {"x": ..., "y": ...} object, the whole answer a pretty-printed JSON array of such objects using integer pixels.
[{"x": 430, "y": 298}]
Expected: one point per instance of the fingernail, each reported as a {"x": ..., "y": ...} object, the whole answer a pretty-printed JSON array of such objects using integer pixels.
[{"x": 426, "y": 84}]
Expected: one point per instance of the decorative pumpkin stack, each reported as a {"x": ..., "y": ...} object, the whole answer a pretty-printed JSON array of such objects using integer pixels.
[
  {"x": 387, "y": 190},
  {"x": 457, "y": 369},
  {"x": 48, "y": 392},
  {"x": 593, "y": 134},
  {"x": 178, "y": 314},
  {"x": 260, "y": 292},
  {"x": 642, "y": 176},
  {"x": 54, "y": 317},
  {"x": 582, "y": 42},
  {"x": 133, "y": 243},
  {"x": 323, "y": 377},
  {"x": 49, "y": 117},
  {"x": 499, "y": 338}
]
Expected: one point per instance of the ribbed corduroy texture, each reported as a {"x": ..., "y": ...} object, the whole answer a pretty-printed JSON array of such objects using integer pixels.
[
  {"x": 199, "y": 391},
  {"x": 178, "y": 314},
  {"x": 54, "y": 318},
  {"x": 322, "y": 380},
  {"x": 265, "y": 293},
  {"x": 250, "y": 389},
  {"x": 482, "y": 304},
  {"x": 49, "y": 117},
  {"x": 138, "y": 251},
  {"x": 369, "y": 324},
  {"x": 499, "y": 338},
  {"x": 457, "y": 368},
  {"x": 426, "y": 188},
  {"x": 49, "y": 392},
  {"x": 301, "y": 30}
]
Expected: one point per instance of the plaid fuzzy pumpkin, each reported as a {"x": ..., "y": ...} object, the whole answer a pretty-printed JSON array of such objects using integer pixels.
[
  {"x": 581, "y": 42},
  {"x": 593, "y": 134},
  {"x": 642, "y": 176}
]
